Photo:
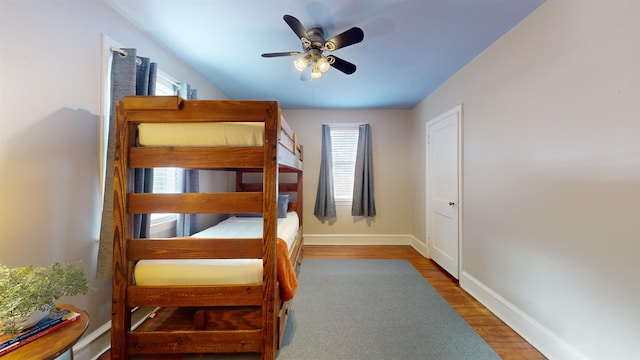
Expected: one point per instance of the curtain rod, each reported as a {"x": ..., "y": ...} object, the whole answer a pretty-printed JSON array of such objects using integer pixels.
[
  {"x": 124, "y": 53},
  {"x": 120, "y": 51}
]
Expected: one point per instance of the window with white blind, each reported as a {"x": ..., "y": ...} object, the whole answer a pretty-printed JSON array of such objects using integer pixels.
[
  {"x": 166, "y": 180},
  {"x": 344, "y": 144}
]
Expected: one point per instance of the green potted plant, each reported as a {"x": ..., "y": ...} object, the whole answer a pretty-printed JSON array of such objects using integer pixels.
[{"x": 35, "y": 289}]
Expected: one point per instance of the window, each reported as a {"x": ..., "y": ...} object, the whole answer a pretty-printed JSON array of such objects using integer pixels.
[
  {"x": 344, "y": 144},
  {"x": 166, "y": 180},
  {"x": 164, "y": 84}
]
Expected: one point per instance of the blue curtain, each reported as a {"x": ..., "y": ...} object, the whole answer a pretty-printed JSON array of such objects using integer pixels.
[
  {"x": 130, "y": 75},
  {"x": 146, "y": 74},
  {"x": 187, "y": 224},
  {"x": 363, "y": 203},
  {"x": 325, "y": 206}
]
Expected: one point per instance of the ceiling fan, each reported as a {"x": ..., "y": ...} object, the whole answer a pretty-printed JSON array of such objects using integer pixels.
[{"x": 312, "y": 61}]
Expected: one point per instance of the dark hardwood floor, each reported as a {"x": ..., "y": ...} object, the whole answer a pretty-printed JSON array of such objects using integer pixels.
[{"x": 506, "y": 342}]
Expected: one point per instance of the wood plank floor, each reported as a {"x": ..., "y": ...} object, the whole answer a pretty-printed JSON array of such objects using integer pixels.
[{"x": 506, "y": 342}]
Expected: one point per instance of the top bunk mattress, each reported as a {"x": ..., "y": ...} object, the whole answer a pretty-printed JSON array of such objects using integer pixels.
[
  {"x": 201, "y": 134},
  {"x": 217, "y": 271}
]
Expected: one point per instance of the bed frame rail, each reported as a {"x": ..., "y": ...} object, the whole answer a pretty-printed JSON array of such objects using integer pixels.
[
  {"x": 190, "y": 248},
  {"x": 198, "y": 341},
  {"x": 195, "y": 203},
  {"x": 199, "y": 158},
  {"x": 219, "y": 295}
]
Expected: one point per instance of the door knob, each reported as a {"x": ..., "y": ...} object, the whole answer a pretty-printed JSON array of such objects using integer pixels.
[{"x": 451, "y": 203}]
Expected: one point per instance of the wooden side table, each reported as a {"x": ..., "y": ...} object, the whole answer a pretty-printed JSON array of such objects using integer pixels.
[{"x": 54, "y": 343}]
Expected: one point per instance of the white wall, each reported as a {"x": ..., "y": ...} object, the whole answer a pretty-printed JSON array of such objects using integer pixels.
[
  {"x": 50, "y": 58},
  {"x": 552, "y": 177},
  {"x": 389, "y": 132}
]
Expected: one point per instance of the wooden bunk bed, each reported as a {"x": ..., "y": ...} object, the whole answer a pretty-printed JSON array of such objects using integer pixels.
[{"x": 203, "y": 318}]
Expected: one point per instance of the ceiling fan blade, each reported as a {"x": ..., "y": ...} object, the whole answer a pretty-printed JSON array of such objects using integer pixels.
[
  {"x": 349, "y": 37},
  {"x": 342, "y": 65},
  {"x": 296, "y": 26},
  {"x": 290, "y": 53}
]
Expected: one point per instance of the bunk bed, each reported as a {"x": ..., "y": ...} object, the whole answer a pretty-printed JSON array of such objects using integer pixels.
[{"x": 204, "y": 316}]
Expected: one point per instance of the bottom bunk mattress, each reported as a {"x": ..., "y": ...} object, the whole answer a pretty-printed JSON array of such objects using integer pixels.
[{"x": 223, "y": 271}]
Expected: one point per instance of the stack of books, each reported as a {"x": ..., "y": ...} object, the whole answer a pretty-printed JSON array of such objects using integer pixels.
[{"x": 56, "y": 319}]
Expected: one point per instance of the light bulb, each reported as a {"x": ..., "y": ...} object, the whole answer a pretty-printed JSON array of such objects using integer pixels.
[
  {"x": 301, "y": 63},
  {"x": 323, "y": 64},
  {"x": 316, "y": 74}
]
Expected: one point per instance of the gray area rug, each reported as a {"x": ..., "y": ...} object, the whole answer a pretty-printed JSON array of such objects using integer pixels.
[
  {"x": 374, "y": 309},
  {"x": 371, "y": 309}
]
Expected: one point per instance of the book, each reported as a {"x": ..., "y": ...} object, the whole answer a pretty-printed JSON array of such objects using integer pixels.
[
  {"x": 55, "y": 316},
  {"x": 56, "y": 319}
]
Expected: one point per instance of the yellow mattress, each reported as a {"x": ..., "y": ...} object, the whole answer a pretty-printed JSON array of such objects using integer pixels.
[{"x": 201, "y": 134}]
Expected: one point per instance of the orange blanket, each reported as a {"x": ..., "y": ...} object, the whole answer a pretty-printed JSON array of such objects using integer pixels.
[{"x": 286, "y": 274}]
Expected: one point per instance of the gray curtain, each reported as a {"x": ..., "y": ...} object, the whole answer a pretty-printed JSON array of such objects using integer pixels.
[
  {"x": 146, "y": 74},
  {"x": 363, "y": 203},
  {"x": 187, "y": 224},
  {"x": 325, "y": 206},
  {"x": 130, "y": 75}
]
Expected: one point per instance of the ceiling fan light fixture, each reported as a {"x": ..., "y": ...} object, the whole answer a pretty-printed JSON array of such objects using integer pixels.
[
  {"x": 301, "y": 62},
  {"x": 316, "y": 73},
  {"x": 323, "y": 64}
]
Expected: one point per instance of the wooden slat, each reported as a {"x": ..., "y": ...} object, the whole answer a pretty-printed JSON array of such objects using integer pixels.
[
  {"x": 201, "y": 111},
  {"x": 194, "y": 203},
  {"x": 196, "y": 157},
  {"x": 153, "y": 103},
  {"x": 203, "y": 295},
  {"x": 194, "y": 248},
  {"x": 287, "y": 143},
  {"x": 288, "y": 159},
  {"x": 196, "y": 341},
  {"x": 257, "y": 187},
  {"x": 228, "y": 318},
  {"x": 286, "y": 129}
]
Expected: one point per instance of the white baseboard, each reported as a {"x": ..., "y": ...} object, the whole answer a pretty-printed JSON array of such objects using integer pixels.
[
  {"x": 94, "y": 344},
  {"x": 367, "y": 239},
  {"x": 420, "y": 247},
  {"x": 357, "y": 239},
  {"x": 540, "y": 337}
]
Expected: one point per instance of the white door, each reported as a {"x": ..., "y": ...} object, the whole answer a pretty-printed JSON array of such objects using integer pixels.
[{"x": 443, "y": 170}]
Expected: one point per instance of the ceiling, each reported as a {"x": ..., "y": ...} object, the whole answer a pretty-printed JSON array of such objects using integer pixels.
[{"x": 410, "y": 47}]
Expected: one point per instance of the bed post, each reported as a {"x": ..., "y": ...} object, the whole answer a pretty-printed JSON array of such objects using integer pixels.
[
  {"x": 299, "y": 188},
  {"x": 120, "y": 314},
  {"x": 270, "y": 200}
]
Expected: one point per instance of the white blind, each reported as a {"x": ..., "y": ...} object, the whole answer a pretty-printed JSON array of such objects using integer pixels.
[
  {"x": 344, "y": 142},
  {"x": 166, "y": 180}
]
